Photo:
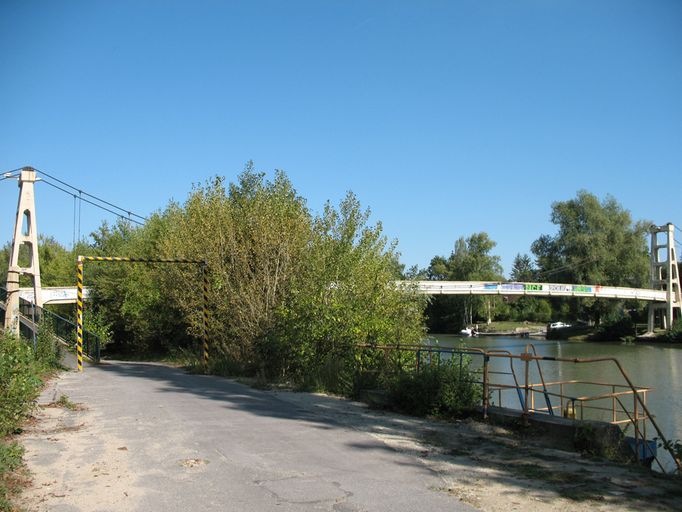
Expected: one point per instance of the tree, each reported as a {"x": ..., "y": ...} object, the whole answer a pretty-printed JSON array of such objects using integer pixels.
[
  {"x": 345, "y": 296},
  {"x": 534, "y": 309},
  {"x": 522, "y": 269},
  {"x": 57, "y": 264},
  {"x": 289, "y": 292},
  {"x": 597, "y": 243},
  {"x": 470, "y": 261},
  {"x": 252, "y": 234}
]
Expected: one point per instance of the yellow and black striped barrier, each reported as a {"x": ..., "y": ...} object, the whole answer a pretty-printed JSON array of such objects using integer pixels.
[
  {"x": 205, "y": 308},
  {"x": 79, "y": 315},
  {"x": 120, "y": 259}
]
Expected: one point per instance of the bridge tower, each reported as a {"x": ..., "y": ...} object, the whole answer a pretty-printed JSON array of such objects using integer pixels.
[
  {"x": 664, "y": 275},
  {"x": 24, "y": 243}
]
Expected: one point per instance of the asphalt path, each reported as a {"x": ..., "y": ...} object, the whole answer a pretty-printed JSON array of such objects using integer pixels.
[{"x": 179, "y": 442}]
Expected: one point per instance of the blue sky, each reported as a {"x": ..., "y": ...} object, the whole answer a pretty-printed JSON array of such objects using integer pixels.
[{"x": 444, "y": 117}]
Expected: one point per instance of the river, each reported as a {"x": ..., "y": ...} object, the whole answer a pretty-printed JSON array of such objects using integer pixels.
[{"x": 657, "y": 366}]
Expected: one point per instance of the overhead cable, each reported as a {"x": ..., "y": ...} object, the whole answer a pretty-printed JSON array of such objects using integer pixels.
[
  {"x": 94, "y": 204},
  {"x": 82, "y": 192}
]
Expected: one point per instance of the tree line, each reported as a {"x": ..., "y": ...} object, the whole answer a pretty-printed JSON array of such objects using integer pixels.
[
  {"x": 291, "y": 291},
  {"x": 597, "y": 242}
]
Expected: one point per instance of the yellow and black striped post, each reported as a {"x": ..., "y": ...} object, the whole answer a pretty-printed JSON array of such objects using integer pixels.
[
  {"x": 79, "y": 306},
  {"x": 205, "y": 312}
]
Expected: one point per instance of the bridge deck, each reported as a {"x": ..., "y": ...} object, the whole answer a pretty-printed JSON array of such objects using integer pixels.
[{"x": 535, "y": 289}]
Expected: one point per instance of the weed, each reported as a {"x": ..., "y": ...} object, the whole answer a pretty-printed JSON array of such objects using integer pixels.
[
  {"x": 10, "y": 460},
  {"x": 66, "y": 403}
]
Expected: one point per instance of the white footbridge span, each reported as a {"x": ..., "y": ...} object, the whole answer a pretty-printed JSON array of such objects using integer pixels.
[{"x": 535, "y": 289}]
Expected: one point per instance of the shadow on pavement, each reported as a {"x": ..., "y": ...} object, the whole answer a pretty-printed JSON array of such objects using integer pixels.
[{"x": 471, "y": 451}]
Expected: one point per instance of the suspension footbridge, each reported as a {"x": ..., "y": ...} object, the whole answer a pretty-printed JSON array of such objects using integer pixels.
[{"x": 663, "y": 294}]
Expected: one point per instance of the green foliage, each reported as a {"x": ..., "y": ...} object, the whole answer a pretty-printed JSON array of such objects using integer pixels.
[
  {"x": 48, "y": 349},
  {"x": 616, "y": 327},
  {"x": 674, "y": 335},
  {"x": 437, "y": 390},
  {"x": 19, "y": 382},
  {"x": 533, "y": 309},
  {"x": 597, "y": 243},
  {"x": 522, "y": 269},
  {"x": 289, "y": 293},
  {"x": 66, "y": 403},
  {"x": 57, "y": 264},
  {"x": 252, "y": 235},
  {"x": 130, "y": 303},
  {"x": 344, "y": 297},
  {"x": 11, "y": 454},
  {"x": 470, "y": 261}
]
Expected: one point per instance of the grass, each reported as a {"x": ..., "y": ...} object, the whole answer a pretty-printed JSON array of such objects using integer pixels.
[
  {"x": 10, "y": 461},
  {"x": 507, "y": 326}
]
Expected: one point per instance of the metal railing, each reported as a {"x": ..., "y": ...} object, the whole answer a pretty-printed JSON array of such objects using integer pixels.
[
  {"x": 624, "y": 405},
  {"x": 63, "y": 328},
  {"x": 31, "y": 317}
]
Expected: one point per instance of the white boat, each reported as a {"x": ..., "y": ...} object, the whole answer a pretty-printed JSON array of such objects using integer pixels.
[{"x": 468, "y": 332}]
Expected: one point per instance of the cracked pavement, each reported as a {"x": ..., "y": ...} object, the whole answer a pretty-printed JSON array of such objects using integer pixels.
[{"x": 151, "y": 437}]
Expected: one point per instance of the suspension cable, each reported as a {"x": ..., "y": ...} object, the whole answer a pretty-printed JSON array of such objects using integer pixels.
[
  {"x": 73, "y": 224},
  {"x": 82, "y": 199},
  {"x": 82, "y": 192}
]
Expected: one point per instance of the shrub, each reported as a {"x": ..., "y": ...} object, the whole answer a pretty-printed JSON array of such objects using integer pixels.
[
  {"x": 48, "y": 349},
  {"x": 674, "y": 334},
  {"x": 614, "y": 329},
  {"x": 443, "y": 391},
  {"x": 19, "y": 382},
  {"x": 20, "y": 369},
  {"x": 10, "y": 460}
]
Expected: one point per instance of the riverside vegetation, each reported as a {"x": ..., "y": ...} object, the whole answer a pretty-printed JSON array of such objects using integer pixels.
[
  {"x": 291, "y": 293},
  {"x": 22, "y": 370},
  {"x": 289, "y": 288}
]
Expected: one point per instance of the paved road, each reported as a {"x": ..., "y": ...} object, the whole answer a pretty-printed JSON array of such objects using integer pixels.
[{"x": 162, "y": 440}]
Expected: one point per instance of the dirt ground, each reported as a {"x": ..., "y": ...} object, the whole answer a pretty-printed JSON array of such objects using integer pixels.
[
  {"x": 488, "y": 467},
  {"x": 54, "y": 440}
]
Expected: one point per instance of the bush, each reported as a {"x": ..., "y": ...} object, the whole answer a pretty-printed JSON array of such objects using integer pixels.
[
  {"x": 19, "y": 382},
  {"x": 48, "y": 349},
  {"x": 20, "y": 370},
  {"x": 675, "y": 334},
  {"x": 10, "y": 460},
  {"x": 442, "y": 391},
  {"x": 614, "y": 329}
]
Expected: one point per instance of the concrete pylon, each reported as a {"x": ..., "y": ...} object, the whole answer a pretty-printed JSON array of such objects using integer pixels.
[
  {"x": 25, "y": 235},
  {"x": 664, "y": 275}
]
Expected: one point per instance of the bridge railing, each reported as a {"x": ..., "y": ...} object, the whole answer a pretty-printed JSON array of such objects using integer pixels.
[
  {"x": 63, "y": 328},
  {"x": 533, "y": 289},
  {"x": 31, "y": 317}
]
